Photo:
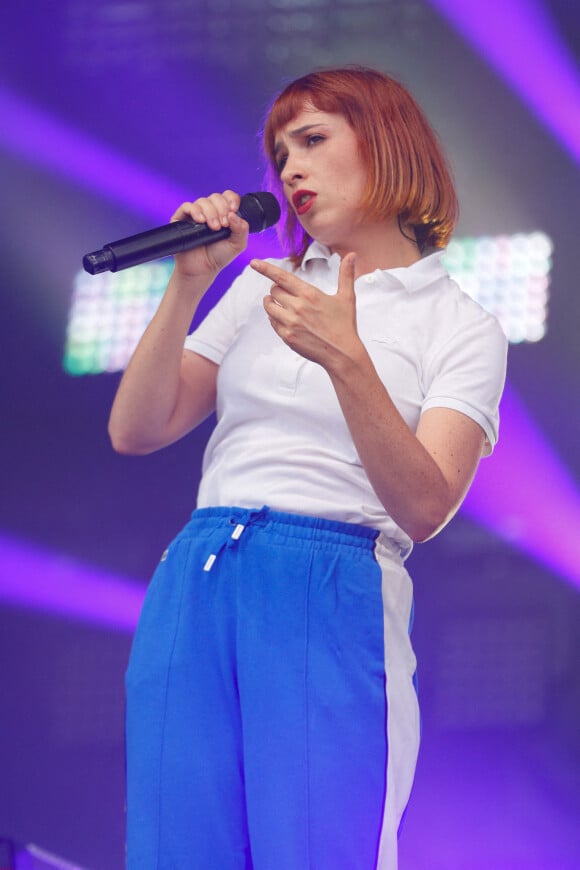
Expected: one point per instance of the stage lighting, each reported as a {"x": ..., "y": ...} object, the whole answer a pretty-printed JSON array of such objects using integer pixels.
[{"x": 507, "y": 275}]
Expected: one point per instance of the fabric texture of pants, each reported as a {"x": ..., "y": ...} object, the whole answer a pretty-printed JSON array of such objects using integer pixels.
[{"x": 272, "y": 722}]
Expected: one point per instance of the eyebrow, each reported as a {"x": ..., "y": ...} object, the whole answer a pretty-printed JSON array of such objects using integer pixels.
[{"x": 297, "y": 132}]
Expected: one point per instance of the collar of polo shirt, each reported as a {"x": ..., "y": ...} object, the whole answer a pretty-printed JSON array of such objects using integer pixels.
[{"x": 412, "y": 278}]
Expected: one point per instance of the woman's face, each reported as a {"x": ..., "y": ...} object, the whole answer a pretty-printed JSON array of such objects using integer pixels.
[{"x": 323, "y": 175}]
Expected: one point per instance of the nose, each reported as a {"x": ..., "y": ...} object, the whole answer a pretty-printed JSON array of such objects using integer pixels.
[{"x": 293, "y": 170}]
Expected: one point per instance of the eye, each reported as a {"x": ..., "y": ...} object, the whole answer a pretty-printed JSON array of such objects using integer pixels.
[
  {"x": 314, "y": 138},
  {"x": 281, "y": 162}
]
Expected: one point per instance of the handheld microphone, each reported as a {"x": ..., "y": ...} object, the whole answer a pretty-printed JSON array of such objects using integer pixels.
[{"x": 261, "y": 210}]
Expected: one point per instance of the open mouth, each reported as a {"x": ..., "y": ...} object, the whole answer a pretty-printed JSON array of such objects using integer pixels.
[{"x": 303, "y": 200}]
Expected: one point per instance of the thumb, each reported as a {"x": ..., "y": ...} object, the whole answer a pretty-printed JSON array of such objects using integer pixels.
[
  {"x": 346, "y": 276},
  {"x": 238, "y": 226}
]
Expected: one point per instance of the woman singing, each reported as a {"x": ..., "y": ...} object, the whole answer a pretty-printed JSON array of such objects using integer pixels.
[{"x": 272, "y": 717}]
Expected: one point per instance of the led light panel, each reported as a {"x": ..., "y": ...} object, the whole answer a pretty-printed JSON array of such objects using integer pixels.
[
  {"x": 508, "y": 276},
  {"x": 109, "y": 314}
]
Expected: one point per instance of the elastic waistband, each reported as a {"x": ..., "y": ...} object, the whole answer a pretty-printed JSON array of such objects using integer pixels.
[{"x": 290, "y": 525}]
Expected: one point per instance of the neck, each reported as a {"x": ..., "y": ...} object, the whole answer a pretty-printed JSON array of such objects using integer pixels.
[{"x": 380, "y": 246}]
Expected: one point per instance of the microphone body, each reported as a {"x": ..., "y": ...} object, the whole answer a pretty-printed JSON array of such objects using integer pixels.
[{"x": 261, "y": 210}]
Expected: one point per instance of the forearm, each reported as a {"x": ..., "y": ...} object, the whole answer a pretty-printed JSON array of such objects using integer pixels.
[
  {"x": 406, "y": 478},
  {"x": 147, "y": 397}
]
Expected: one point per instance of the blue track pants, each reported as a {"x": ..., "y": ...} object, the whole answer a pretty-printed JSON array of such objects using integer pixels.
[{"x": 256, "y": 701}]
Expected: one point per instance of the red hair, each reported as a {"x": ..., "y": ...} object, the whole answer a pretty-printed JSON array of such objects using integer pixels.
[{"x": 408, "y": 174}]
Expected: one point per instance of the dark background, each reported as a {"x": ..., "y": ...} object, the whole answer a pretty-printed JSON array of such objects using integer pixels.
[{"x": 181, "y": 88}]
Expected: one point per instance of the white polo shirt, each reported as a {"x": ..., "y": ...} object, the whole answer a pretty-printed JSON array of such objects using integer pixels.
[{"x": 281, "y": 438}]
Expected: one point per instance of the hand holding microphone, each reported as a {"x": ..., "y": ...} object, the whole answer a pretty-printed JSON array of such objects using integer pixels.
[{"x": 207, "y": 222}]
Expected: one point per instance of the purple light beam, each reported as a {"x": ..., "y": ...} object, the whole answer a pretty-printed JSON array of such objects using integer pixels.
[
  {"x": 35, "y": 579},
  {"x": 43, "y": 140},
  {"x": 526, "y": 496},
  {"x": 29, "y": 132},
  {"x": 520, "y": 40}
]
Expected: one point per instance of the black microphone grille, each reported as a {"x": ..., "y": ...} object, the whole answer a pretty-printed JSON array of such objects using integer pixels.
[{"x": 261, "y": 210}]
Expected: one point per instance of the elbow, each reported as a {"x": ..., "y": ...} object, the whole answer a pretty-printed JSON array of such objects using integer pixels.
[
  {"x": 429, "y": 521},
  {"x": 126, "y": 444},
  {"x": 419, "y": 534}
]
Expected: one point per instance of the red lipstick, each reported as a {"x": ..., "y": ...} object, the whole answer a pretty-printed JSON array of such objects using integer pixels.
[{"x": 303, "y": 200}]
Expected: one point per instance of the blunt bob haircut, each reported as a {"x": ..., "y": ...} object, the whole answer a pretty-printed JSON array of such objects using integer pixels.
[{"x": 408, "y": 174}]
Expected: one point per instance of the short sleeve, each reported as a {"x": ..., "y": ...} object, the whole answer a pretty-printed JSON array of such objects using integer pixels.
[{"x": 467, "y": 373}]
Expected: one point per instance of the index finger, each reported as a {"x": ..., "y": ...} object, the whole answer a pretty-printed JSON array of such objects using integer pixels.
[{"x": 279, "y": 276}]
